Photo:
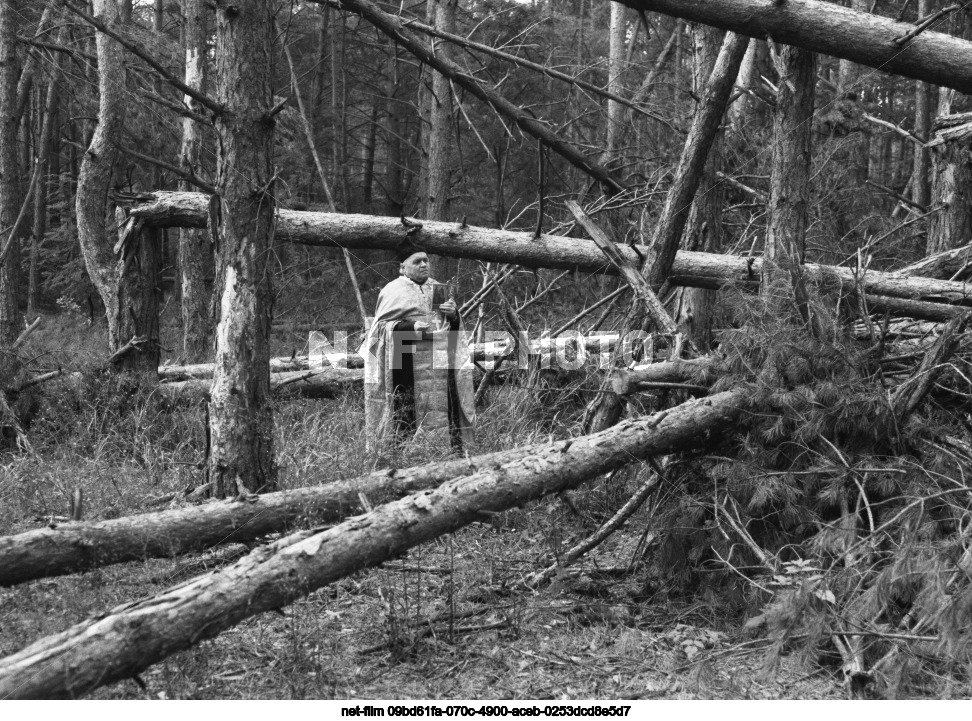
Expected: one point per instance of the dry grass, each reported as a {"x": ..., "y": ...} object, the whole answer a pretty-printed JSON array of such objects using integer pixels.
[{"x": 448, "y": 621}]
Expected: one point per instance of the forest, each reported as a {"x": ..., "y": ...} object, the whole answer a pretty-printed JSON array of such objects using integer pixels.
[{"x": 710, "y": 263}]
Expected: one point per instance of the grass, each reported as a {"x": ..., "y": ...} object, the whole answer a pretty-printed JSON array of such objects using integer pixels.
[
  {"x": 449, "y": 620},
  {"x": 446, "y": 621}
]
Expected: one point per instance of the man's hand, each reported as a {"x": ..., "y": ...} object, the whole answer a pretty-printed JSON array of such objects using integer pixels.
[{"x": 448, "y": 309}]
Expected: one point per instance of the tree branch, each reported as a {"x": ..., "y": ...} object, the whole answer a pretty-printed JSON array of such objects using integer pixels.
[
  {"x": 188, "y": 177},
  {"x": 925, "y": 23},
  {"x": 394, "y": 28},
  {"x": 530, "y": 65},
  {"x": 199, "y": 97}
]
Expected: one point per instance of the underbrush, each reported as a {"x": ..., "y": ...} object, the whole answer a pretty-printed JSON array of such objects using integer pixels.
[{"x": 829, "y": 530}]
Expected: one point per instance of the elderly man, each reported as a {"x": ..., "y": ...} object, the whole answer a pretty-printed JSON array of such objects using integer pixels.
[{"x": 417, "y": 377}]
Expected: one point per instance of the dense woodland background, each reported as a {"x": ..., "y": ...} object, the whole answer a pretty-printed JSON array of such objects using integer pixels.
[{"x": 833, "y": 521}]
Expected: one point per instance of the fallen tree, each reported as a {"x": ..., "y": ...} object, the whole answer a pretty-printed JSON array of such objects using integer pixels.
[
  {"x": 196, "y": 371},
  {"x": 826, "y": 27},
  {"x": 655, "y": 376},
  {"x": 926, "y": 298},
  {"x": 947, "y": 264},
  {"x": 136, "y": 635},
  {"x": 323, "y": 383},
  {"x": 479, "y": 352},
  {"x": 64, "y": 548}
]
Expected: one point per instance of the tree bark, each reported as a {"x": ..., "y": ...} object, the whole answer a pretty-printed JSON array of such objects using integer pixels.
[
  {"x": 26, "y": 79},
  {"x": 942, "y": 265},
  {"x": 339, "y": 109},
  {"x": 11, "y": 193},
  {"x": 435, "y": 100},
  {"x": 696, "y": 371},
  {"x": 112, "y": 276},
  {"x": 41, "y": 192},
  {"x": 615, "y": 111},
  {"x": 195, "y": 248},
  {"x": 241, "y": 454},
  {"x": 920, "y": 177},
  {"x": 203, "y": 371},
  {"x": 743, "y": 111},
  {"x": 435, "y": 107},
  {"x": 73, "y": 547},
  {"x": 789, "y": 205},
  {"x": 952, "y": 185},
  {"x": 139, "y": 291},
  {"x": 705, "y": 125},
  {"x": 703, "y": 229},
  {"x": 826, "y": 27},
  {"x": 659, "y": 316},
  {"x": 134, "y": 636},
  {"x": 700, "y": 270},
  {"x": 324, "y": 383},
  {"x": 394, "y": 187}
]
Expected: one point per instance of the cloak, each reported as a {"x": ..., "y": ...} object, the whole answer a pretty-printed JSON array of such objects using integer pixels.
[{"x": 444, "y": 396}]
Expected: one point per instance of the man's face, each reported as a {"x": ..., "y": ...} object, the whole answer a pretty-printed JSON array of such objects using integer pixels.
[{"x": 416, "y": 268}]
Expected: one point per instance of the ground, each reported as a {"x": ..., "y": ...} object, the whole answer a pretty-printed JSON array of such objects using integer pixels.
[{"x": 449, "y": 621}]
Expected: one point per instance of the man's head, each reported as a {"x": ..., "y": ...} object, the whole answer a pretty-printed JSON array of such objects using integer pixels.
[
  {"x": 416, "y": 267},
  {"x": 414, "y": 261}
]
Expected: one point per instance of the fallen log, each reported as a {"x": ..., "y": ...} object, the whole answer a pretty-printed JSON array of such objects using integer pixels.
[
  {"x": 136, "y": 635},
  {"x": 697, "y": 371},
  {"x": 62, "y": 548},
  {"x": 826, "y": 27},
  {"x": 927, "y": 298},
  {"x": 479, "y": 352},
  {"x": 323, "y": 383},
  {"x": 197, "y": 371},
  {"x": 945, "y": 265}
]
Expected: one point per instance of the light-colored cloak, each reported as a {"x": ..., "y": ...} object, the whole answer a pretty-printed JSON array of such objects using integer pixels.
[{"x": 432, "y": 362}]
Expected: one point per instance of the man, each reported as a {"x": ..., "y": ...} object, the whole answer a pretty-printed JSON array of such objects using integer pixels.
[{"x": 418, "y": 380}]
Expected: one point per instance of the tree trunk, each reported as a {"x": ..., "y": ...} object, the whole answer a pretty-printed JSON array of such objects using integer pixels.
[
  {"x": 368, "y": 160},
  {"x": 826, "y": 27},
  {"x": 26, "y": 80},
  {"x": 615, "y": 111},
  {"x": 700, "y": 270},
  {"x": 195, "y": 249},
  {"x": 703, "y": 230},
  {"x": 952, "y": 187},
  {"x": 11, "y": 192},
  {"x": 920, "y": 178},
  {"x": 339, "y": 110},
  {"x": 241, "y": 454},
  {"x": 112, "y": 276},
  {"x": 435, "y": 99},
  {"x": 394, "y": 187},
  {"x": 44, "y": 144},
  {"x": 134, "y": 636},
  {"x": 436, "y": 111},
  {"x": 744, "y": 110},
  {"x": 688, "y": 175},
  {"x": 139, "y": 292},
  {"x": 849, "y": 72},
  {"x": 782, "y": 279}
]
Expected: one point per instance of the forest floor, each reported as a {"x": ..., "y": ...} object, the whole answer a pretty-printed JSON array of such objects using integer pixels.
[
  {"x": 451, "y": 620},
  {"x": 445, "y": 622}
]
